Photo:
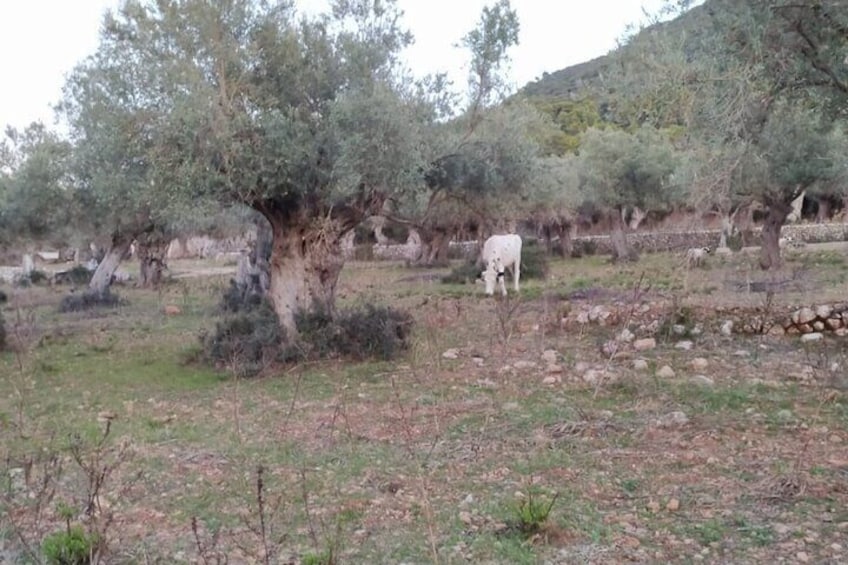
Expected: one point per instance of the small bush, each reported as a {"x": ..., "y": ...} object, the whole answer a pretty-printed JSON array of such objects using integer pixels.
[
  {"x": 679, "y": 323},
  {"x": 465, "y": 273},
  {"x": 380, "y": 332},
  {"x": 371, "y": 332},
  {"x": 237, "y": 298},
  {"x": 535, "y": 263},
  {"x": 90, "y": 299},
  {"x": 245, "y": 341},
  {"x": 585, "y": 247},
  {"x": 532, "y": 512},
  {"x": 69, "y": 547},
  {"x": 78, "y": 275}
]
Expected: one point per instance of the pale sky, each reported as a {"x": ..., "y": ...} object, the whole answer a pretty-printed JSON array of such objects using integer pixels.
[{"x": 41, "y": 40}]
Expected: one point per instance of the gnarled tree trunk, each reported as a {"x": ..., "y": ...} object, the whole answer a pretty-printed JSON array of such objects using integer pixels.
[
  {"x": 621, "y": 250},
  {"x": 305, "y": 267},
  {"x": 151, "y": 248},
  {"x": 435, "y": 244},
  {"x": 770, "y": 250},
  {"x": 118, "y": 247}
]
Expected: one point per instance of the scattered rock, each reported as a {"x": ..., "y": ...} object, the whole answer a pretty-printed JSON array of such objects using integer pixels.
[
  {"x": 550, "y": 380},
  {"x": 554, "y": 369},
  {"x": 595, "y": 377},
  {"x": 824, "y": 311},
  {"x": 727, "y": 328},
  {"x": 452, "y": 353},
  {"x": 811, "y": 337},
  {"x": 803, "y": 316},
  {"x": 583, "y": 318},
  {"x": 685, "y": 345},
  {"x": 802, "y": 557},
  {"x": 673, "y": 505},
  {"x": 741, "y": 353},
  {"x": 550, "y": 356},
  {"x": 784, "y": 416},
  {"x": 106, "y": 416},
  {"x": 522, "y": 365},
  {"x": 581, "y": 367},
  {"x": 610, "y": 348},
  {"x": 626, "y": 336},
  {"x": 640, "y": 364},
  {"x": 665, "y": 372},
  {"x": 172, "y": 310},
  {"x": 653, "y": 506},
  {"x": 678, "y": 329},
  {"x": 644, "y": 344},
  {"x": 699, "y": 363},
  {"x": 487, "y": 383},
  {"x": 673, "y": 419},
  {"x": 478, "y": 361},
  {"x": 818, "y": 325},
  {"x": 702, "y": 380}
]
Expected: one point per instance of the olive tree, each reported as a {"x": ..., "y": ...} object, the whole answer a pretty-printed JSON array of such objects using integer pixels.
[
  {"x": 303, "y": 119},
  {"x": 621, "y": 170},
  {"x": 36, "y": 199}
]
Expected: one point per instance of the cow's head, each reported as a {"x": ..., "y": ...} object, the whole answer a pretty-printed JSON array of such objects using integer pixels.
[{"x": 493, "y": 272}]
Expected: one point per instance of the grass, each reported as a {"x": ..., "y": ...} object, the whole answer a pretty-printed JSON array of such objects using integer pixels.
[{"x": 420, "y": 460}]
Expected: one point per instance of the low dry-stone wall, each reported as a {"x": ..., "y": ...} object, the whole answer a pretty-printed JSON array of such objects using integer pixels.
[
  {"x": 646, "y": 319},
  {"x": 676, "y": 240}
]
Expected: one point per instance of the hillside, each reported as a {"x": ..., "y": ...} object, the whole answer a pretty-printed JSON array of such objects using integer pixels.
[{"x": 589, "y": 77}]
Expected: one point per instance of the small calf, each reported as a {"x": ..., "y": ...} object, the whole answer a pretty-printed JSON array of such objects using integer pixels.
[{"x": 695, "y": 256}]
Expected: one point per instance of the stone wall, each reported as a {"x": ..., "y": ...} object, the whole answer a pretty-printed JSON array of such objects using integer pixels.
[{"x": 649, "y": 242}]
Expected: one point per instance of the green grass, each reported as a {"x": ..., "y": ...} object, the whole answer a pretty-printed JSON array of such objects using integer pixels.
[{"x": 379, "y": 459}]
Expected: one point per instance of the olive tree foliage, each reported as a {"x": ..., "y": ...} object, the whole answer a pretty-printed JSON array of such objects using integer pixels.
[
  {"x": 36, "y": 204},
  {"x": 754, "y": 70},
  {"x": 304, "y": 120},
  {"x": 620, "y": 171},
  {"x": 553, "y": 198},
  {"x": 480, "y": 159}
]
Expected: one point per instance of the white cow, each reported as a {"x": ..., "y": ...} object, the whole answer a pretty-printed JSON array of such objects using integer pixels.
[
  {"x": 499, "y": 253},
  {"x": 695, "y": 256}
]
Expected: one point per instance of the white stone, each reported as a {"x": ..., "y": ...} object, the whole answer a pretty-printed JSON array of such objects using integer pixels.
[
  {"x": 811, "y": 337},
  {"x": 644, "y": 344},
  {"x": 702, "y": 380},
  {"x": 626, "y": 336},
  {"x": 665, "y": 372},
  {"x": 452, "y": 353},
  {"x": 685, "y": 345},
  {"x": 804, "y": 316},
  {"x": 550, "y": 356},
  {"x": 727, "y": 328},
  {"x": 699, "y": 363},
  {"x": 550, "y": 380},
  {"x": 521, "y": 365},
  {"x": 583, "y": 318},
  {"x": 581, "y": 367},
  {"x": 640, "y": 364},
  {"x": 824, "y": 311},
  {"x": 672, "y": 419},
  {"x": 678, "y": 329}
]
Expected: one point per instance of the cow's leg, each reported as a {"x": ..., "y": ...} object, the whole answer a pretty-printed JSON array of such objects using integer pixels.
[
  {"x": 502, "y": 282},
  {"x": 516, "y": 273}
]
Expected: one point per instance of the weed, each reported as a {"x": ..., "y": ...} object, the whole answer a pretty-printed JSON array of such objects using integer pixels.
[
  {"x": 72, "y": 546},
  {"x": 245, "y": 342},
  {"x": 78, "y": 302},
  {"x": 532, "y": 512}
]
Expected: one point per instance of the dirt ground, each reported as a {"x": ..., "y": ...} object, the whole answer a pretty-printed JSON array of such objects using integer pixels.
[{"x": 510, "y": 432}]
